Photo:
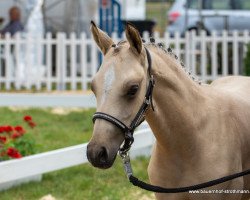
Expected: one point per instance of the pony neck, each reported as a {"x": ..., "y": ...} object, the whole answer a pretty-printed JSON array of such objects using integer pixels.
[{"x": 178, "y": 102}]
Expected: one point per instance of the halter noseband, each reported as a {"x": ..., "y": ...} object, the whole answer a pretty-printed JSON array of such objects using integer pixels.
[{"x": 139, "y": 117}]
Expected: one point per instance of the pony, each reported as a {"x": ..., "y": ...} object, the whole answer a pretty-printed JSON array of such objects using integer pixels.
[{"x": 202, "y": 130}]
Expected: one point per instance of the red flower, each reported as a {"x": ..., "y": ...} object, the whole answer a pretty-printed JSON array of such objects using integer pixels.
[
  {"x": 3, "y": 139},
  {"x": 13, "y": 153},
  {"x": 19, "y": 129},
  {"x": 8, "y": 129},
  {"x": 16, "y": 135},
  {"x": 2, "y": 129},
  {"x": 32, "y": 124},
  {"x": 27, "y": 118}
]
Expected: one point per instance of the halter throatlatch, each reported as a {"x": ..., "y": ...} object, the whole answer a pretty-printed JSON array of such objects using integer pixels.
[{"x": 139, "y": 117}]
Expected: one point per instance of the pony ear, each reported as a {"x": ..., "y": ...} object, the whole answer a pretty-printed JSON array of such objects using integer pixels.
[
  {"x": 103, "y": 41},
  {"x": 134, "y": 38}
]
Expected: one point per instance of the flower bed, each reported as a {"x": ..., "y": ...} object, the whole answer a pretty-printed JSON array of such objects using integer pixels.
[
  {"x": 52, "y": 133},
  {"x": 17, "y": 141}
]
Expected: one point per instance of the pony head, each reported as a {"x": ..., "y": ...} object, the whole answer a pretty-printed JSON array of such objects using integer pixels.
[{"x": 119, "y": 87}]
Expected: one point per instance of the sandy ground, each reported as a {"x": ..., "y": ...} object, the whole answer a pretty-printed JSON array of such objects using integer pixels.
[
  {"x": 48, "y": 197},
  {"x": 80, "y": 92},
  {"x": 55, "y": 110}
]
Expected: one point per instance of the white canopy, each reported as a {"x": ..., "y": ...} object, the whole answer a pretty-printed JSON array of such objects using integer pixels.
[{"x": 59, "y": 15}]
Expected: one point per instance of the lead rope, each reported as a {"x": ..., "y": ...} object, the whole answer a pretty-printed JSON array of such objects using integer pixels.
[{"x": 136, "y": 182}]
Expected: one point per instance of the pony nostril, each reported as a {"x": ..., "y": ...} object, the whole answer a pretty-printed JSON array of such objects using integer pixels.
[{"x": 103, "y": 155}]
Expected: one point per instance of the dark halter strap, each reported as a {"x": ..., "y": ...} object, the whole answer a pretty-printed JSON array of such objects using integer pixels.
[{"x": 139, "y": 117}]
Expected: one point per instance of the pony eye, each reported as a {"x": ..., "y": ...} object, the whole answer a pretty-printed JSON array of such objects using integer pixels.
[{"x": 133, "y": 90}]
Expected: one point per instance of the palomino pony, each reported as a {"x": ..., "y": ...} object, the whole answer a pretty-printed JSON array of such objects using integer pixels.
[{"x": 202, "y": 131}]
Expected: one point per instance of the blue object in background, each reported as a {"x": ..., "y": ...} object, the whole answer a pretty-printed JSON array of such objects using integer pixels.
[{"x": 110, "y": 17}]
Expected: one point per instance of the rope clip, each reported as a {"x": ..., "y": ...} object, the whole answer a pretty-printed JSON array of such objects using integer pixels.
[{"x": 127, "y": 165}]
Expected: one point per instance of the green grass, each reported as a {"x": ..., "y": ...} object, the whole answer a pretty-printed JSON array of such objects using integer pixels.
[
  {"x": 158, "y": 12},
  {"x": 79, "y": 182},
  {"x": 53, "y": 131},
  {"x": 83, "y": 182}
]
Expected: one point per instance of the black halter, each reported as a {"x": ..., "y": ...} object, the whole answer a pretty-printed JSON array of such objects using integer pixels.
[{"x": 139, "y": 117}]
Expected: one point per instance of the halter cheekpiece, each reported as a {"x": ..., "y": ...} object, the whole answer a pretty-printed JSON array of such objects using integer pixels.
[{"x": 139, "y": 117}]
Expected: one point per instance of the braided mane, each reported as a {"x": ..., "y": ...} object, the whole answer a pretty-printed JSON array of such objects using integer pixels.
[{"x": 171, "y": 53}]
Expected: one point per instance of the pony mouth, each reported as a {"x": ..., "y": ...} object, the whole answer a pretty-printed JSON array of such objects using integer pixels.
[
  {"x": 101, "y": 163},
  {"x": 103, "y": 166}
]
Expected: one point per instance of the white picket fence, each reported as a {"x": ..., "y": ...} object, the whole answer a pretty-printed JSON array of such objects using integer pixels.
[
  {"x": 210, "y": 56},
  {"x": 14, "y": 172},
  {"x": 28, "y": 62},
  {"x": 69, "y": 63}
]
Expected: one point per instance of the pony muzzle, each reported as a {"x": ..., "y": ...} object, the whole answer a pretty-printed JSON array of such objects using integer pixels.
[{"x": 99, "y": 156}]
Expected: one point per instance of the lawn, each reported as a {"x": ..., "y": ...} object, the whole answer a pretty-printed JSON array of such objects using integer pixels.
[
  {"x": 53, "y": 131},
  {"x": 81, "y": 182},
  {"x": 158, "y": 12}
]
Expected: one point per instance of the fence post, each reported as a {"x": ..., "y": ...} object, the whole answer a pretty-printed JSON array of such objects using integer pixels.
[
  {"x": 177, "y": 43},
  {"x": 167, "y": 39},
  {"x": 156, "y": 36},
  {"x": 145, "y": 36},
  {"x": 203, "y": 54},
  {"x": 236, "y": 63},
  {"x": 18, "y": 70},
  {"x": 73, "y": 61},
  {"x": 48, "y": 60},
  {"x": 245, "y": 42},
  {"x": 115, "y": 37},
  {"x": 61, "y": 57},
  {"x": 193, "y": 52},
  {"x": 224, "y": 53},
  {"x": 28, "y": 41},
  {"x": 214, "y": 55},
  {"x": 187, "y": 49},
  {"x": 84, "y": 61},
  {"x": 94, "y": 58},
  {"x": 39, "y": 44},
  {"x": 8, "y": 67}
]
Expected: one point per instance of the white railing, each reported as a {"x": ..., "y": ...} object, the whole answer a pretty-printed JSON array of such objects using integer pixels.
[
  {"x": 69, "y": 63},
  {"x": 14, "y": 170}
]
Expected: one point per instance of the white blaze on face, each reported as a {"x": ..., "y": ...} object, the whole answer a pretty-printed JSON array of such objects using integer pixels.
[{"x": 109, "y": 78}]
